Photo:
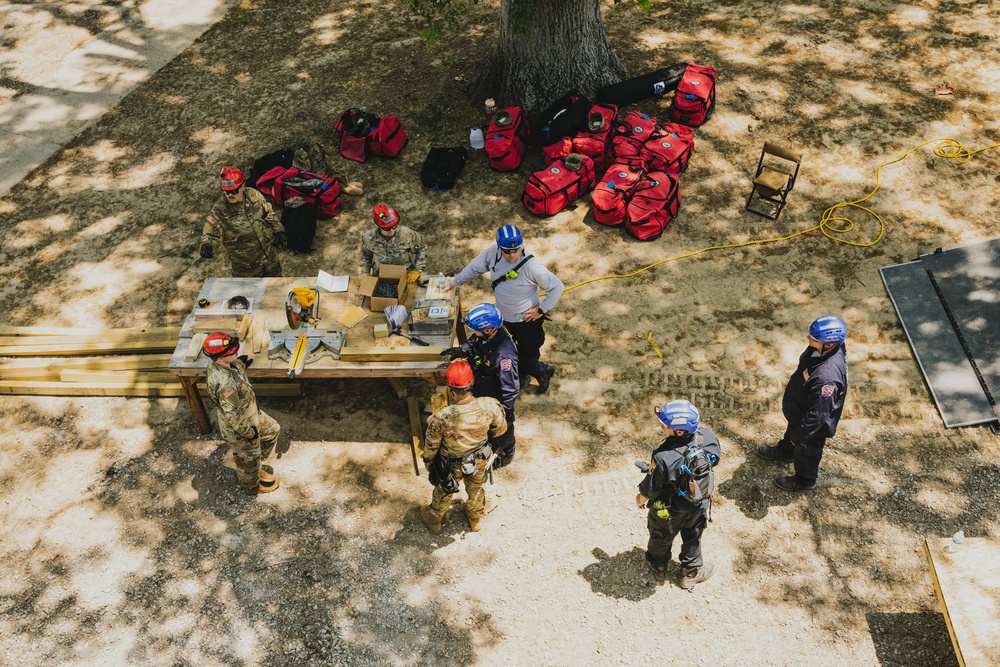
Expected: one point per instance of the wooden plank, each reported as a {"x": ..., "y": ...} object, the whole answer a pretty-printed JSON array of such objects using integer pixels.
[
  {"x": 140, "y": 389},
  {"x": 225, "y": 323},
  {"x": 109, "y": 336},
  {"x": 398, "y": 387},
  {"x": 408, "y": 353},
  {"x": 416, "y": 432},
  {"x": 257, "y": 335},
  {"x": 241, "y": 331},
  {"x": 966, "y": 579},
  {"x": 141, "y": 377},
  {"x": 439, "y": 398},
  {"x": 77, "y": 349},
  {"x": 135, "y": 362},
  {"x": 82, "y": 331},
  {"x": 194, "y": 347}
]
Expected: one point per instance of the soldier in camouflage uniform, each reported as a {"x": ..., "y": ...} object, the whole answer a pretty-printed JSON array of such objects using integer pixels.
[
  {"x": 460, "y": 433},
  {"x": 391, "y": 243},
  {"x": 245, "y": 224},
  {"x": 250, "y": 432}
]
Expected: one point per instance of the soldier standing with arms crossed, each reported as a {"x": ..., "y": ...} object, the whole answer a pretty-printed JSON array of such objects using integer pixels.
[
  {"x": 459, "y": 433},
  {"x": 245, "y": 224},
  {"x": 391, "y": 243},
  {"x": 251, "y": 432}
]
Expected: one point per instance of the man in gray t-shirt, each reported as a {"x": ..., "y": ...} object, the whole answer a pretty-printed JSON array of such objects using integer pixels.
[{"x": 517, "y": 280}]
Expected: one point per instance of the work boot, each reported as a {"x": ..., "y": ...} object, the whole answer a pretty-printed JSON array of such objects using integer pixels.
[
  {"x": 695, "y": 575},
  {"x": 548, "y": 370},
  {"x": 789, "y": 483},
  {"x": 354, "y": 188},
  {"x": 267, "y": 474},
  {"x": 473, "y": 520},
  {"x": 772, "y": 453},
  {"x": 431, "y": 520},
  {"x": 263, "y": 485},
  {"x": 659, "y": 571}
]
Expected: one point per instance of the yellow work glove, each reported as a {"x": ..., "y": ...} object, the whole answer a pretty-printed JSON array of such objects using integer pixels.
[{"x": 411, "y": 276}]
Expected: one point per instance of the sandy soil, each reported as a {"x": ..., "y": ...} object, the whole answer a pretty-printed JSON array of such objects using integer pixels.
[{"x": 126, "y": 542}]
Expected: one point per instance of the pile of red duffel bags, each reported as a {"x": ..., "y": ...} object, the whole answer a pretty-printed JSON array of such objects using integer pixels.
[
  {"x": 363, "y": 133},
  {"x": 640, "y": 158}
]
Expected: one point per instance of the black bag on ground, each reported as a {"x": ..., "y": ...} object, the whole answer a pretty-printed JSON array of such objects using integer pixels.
[
  {"x": 566, "y": 116},
  {"x": 641, "y": 87},
  {"x": 300, "y": 226},
  {"x": 442, "y": 167},
  {"x": 279, "y": 158}
]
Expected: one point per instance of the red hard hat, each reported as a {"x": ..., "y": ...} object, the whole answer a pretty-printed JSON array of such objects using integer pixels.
[
  {"x": 220, "y": 344},
  {"x": 231, "y": 178},
  {"x": 385, "y": 216},
  {"x": 459, "y": 374}
]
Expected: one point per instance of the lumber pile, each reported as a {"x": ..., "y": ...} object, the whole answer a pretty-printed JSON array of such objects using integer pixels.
[{"x": 51, "y": 361}]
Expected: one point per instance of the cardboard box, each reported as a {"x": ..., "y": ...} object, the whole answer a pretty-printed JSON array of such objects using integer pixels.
[{"x": 387, "y": 273}]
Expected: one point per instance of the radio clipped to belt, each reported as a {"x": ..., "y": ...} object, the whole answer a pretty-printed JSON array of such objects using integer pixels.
[{"x": 469, "y": 460}]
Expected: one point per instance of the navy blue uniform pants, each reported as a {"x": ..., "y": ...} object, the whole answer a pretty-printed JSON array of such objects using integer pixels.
[
  {"x": 529, "y": 336},
  {"x": 690, "y": 526},
  {"x": 504, "y": 444},
  {"x": 806, "y": 457}
]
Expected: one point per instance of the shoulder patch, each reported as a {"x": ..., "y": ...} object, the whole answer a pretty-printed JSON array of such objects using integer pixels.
[
  {"x": 506, "y": 364},
  {"x": 228, "y": 392},
  {"x": 828, "y": 390},
  {"x": 805, "y": 374}
]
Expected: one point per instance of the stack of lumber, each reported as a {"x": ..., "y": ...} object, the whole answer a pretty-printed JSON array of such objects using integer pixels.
[{"x": 52, "y": 361}]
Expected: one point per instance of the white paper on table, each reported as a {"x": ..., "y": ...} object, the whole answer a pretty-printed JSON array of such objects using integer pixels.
[{"x": 332, "y": 283}]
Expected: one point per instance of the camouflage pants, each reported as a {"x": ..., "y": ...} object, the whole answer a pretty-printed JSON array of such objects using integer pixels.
[
  {"x": 267, "y": 270},
  {"x": 441, "y": 501},
  {"x": 248, "y": 454}
]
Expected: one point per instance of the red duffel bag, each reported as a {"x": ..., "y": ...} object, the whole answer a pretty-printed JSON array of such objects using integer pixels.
[
  {"x": 611, "y": 196},
  {"x": 694, "y": 101},
  {"x": 655, "y": 202},
  {"x": 388, "y": 137},
  {"x": 507, "y": 138},
  {"x": 669, "y": 148},
  {"x": 283, "y": 183},
  {"x": 632, "y": 132},
  {"x": 552, "y": 188},
  {"x": 595, "y": 141}
]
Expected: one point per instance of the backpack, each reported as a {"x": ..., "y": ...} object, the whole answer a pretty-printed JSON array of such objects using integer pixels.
[
  {"x": 281, "y": 184},
  {"x": 505, "y": 144},
  {"x": 564, "y": 117},
  {"x": 442, "y": 167},
  {"x": 611, "y": 196},
  {"x": 698, "y": 481},
  {"x": 638, "y": 88},
  {"x": 655, "y": 202},
  {"x": 694, "y": 101},
  {"x": 668, "y": 149},
  {"x": 552, "y": 188},
  {"x": 632, "y": 133},
  {"x": 363, "y": 133},
  {"x": 300, "y": 226},
  {"x": 592, "y": 141},
  {"x": 279, "y": 158}
]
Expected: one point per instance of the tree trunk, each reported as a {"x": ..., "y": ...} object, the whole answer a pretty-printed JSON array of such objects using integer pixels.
[{"x": 566, "y": 49}]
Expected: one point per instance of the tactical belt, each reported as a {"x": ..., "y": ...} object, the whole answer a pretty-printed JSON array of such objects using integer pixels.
[{"x": 484, "y": 451}]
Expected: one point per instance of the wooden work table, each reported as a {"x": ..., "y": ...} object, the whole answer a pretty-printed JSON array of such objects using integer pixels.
[
  {"x": 268, "y": 311},
  {"x": 967, "y": 581}
]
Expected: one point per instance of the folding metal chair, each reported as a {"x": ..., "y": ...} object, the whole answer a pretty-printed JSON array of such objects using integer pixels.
[{"x": 777, "y": 170}]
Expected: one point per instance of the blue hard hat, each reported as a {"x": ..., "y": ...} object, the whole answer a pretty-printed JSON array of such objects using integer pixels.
[
  {"x": 484, "y": 316},
  {"x": 828, "y": 329},
  {"x": 509, "y": 238},
  {"x": 679, "y": 415}
]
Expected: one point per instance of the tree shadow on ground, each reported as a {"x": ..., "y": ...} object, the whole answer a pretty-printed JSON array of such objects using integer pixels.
[{"x": 906, "y": 639}]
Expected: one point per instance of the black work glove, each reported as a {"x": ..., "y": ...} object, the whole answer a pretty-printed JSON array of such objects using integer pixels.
[
  {"x": 247, "y": 361},
  {"x": 280, "y": 241},
  {"x": 454, "y": 353},
  {"x": 206, "y": 251}
]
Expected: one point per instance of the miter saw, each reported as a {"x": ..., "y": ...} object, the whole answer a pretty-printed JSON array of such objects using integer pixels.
[{"x": 299, "y": 349}]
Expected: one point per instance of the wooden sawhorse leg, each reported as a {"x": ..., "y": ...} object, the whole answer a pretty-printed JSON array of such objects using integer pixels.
[
  {"x": 197, "y": 405},
  {"x": 416, "y": 432}
]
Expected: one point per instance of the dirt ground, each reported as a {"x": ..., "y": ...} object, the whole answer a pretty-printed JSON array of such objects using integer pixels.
[{"x": 126, "y": 542}]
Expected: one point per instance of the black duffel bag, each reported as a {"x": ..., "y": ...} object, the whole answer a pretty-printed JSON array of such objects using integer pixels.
[
  {"x": 639, "y": 88},
  {"x": 566, "y": 116}
]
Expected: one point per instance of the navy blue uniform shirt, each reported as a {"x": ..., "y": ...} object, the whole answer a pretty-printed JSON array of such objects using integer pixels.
[
  {"x": 664, "y": 475},
  {"x": 814, "y": 396},
  {"x": 494, "y": 363}
]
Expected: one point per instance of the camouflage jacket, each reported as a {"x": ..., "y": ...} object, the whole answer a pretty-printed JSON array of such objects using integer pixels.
[
  {"x": 458, "y": 429},
  {"x": 406, "y": 248},
  {"x": 232, "y": 394},
  {"x": 246, "y": 230}
]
